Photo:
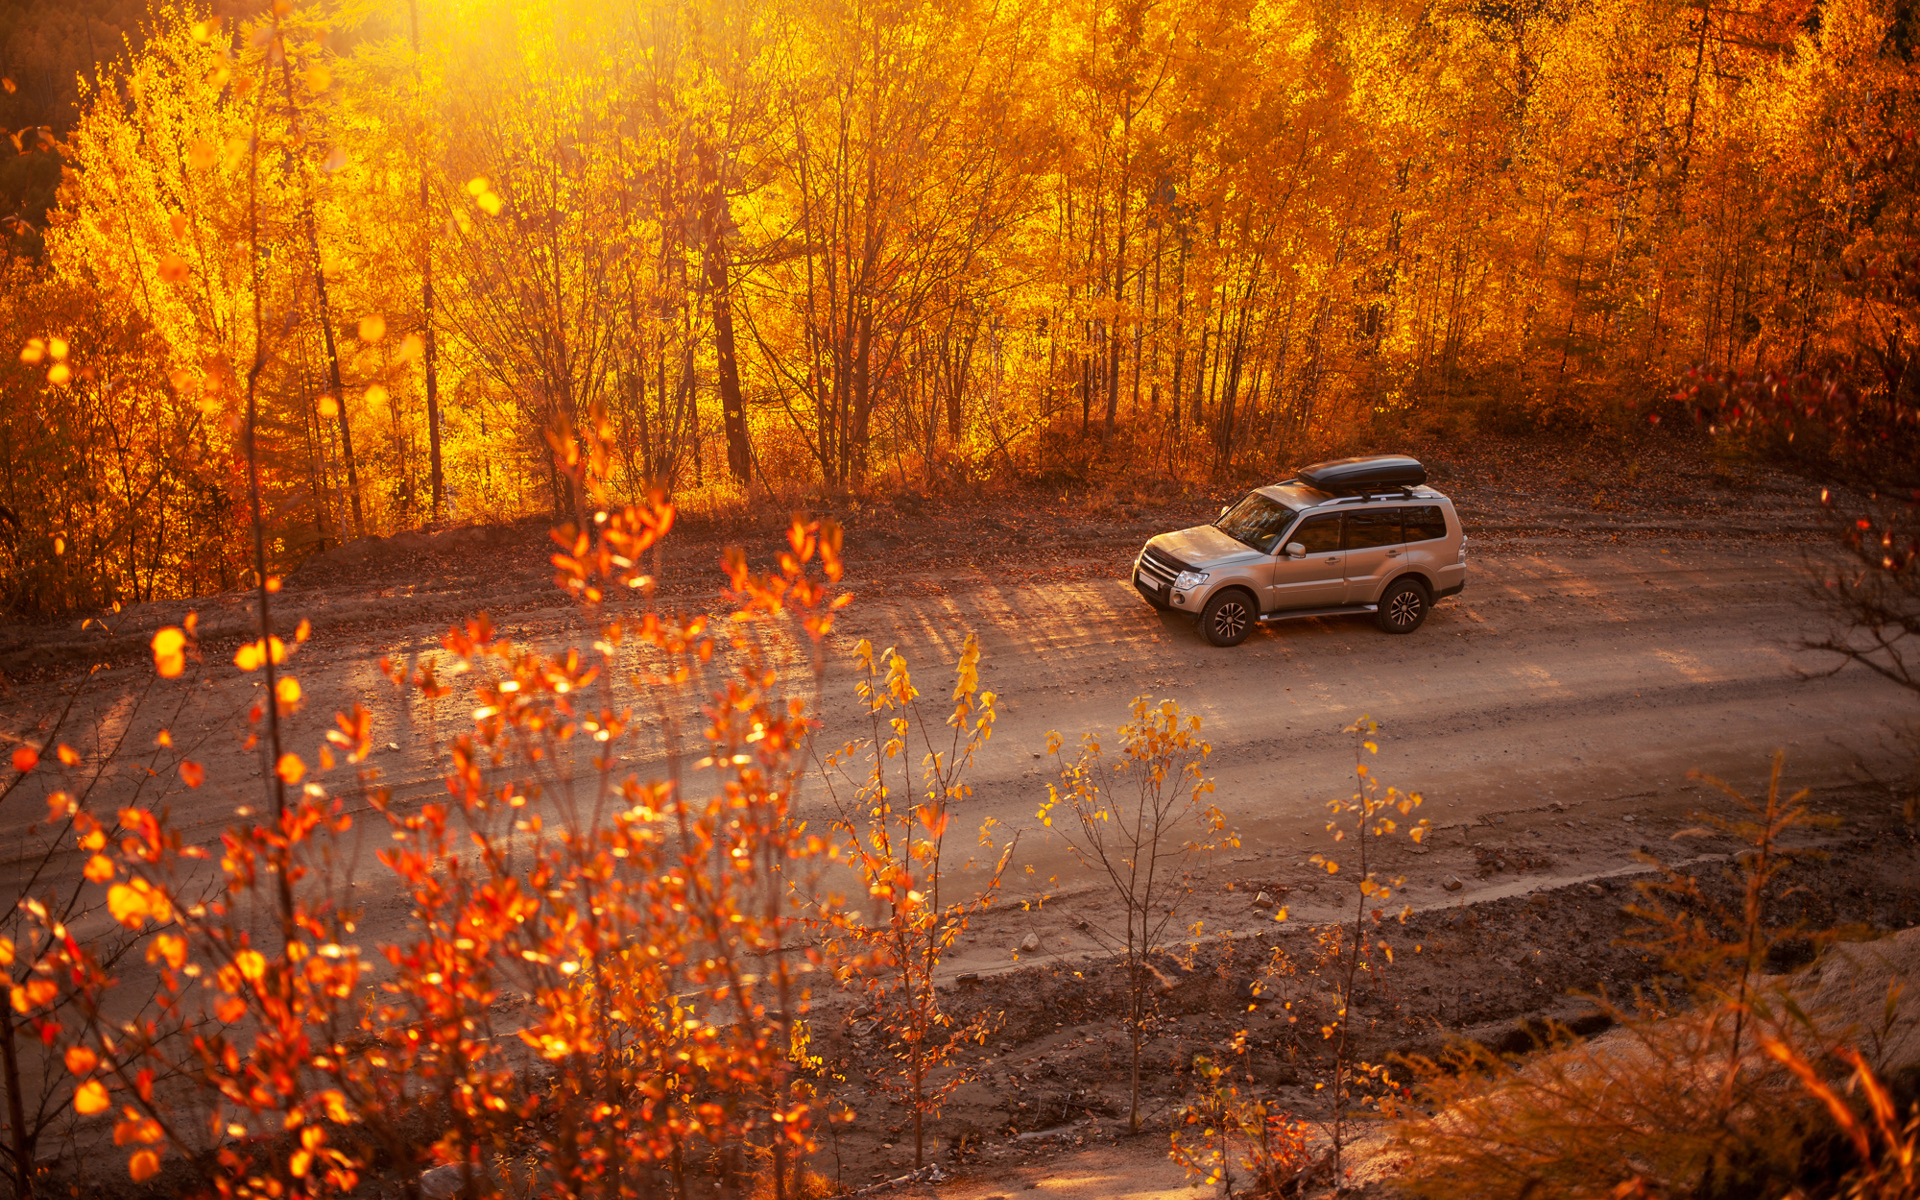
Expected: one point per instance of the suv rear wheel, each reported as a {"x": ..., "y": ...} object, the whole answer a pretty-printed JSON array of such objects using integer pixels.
[
  {"x": 1228, "y": 618},
  {"x": 1403, "y": 608}
]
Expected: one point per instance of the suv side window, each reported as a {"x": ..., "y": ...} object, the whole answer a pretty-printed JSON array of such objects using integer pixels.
[
  {"x": 1425, "y": 523},
  {"x": 1320, "y": 535},
  {"x": 1373, "y": 527}
]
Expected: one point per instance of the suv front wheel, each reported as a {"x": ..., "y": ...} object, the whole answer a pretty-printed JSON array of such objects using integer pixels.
[
  {"x": 1403, "y": 608},
  {"x": 1227, "y": 618}
]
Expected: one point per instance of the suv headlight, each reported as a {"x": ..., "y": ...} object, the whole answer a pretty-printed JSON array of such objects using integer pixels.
[{"x": 1186, "y": 581}]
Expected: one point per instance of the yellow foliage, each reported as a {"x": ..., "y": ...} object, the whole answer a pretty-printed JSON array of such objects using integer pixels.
[{"x": 91, "y": 1098}]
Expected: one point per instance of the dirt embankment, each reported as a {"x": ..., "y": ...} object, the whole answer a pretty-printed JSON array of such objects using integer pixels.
[{"x": 1053, "y": 1080}]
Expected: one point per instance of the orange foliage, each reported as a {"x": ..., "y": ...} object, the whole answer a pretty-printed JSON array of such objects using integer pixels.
[
  {"x": 651, "y": 925},
  {"x": 895, "y": 246}
]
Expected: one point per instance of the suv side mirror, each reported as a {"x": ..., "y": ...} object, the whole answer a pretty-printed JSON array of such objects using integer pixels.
[
  {"x": 1296, "y": 550},
  {"x": 1224, "y": 509}
]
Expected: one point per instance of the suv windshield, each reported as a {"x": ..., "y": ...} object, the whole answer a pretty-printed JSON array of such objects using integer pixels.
[{"x": 1256, "y": 521}]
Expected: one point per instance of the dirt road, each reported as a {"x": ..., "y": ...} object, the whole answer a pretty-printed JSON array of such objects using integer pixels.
[
  {"x": 1586, "y": 674},
  {"x": 1609, "y": 640},
  {"x": 1579, "y": 672}
]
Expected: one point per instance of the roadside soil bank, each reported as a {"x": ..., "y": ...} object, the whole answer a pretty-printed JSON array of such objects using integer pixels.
[{"x": 1539, "y": 945}]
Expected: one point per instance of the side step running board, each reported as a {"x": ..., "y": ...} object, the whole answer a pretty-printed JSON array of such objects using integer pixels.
[{"x": 1338, "y": 610}]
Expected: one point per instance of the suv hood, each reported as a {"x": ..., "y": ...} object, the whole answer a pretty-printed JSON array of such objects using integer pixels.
[{"x": 1203, "y": 548}]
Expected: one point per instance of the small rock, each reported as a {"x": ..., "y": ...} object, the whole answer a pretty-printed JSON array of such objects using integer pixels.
[
  {"x": 441, "y": 1183},
  {"x": 968, "y": 978},
  {"x": 1263, "y": 901},
  {"x": 1594, "y": 889},
  {"x": 1452, "y": 883},
  {"x": 1628, "y": 819},
  {"x": 1030, "y": 943}
]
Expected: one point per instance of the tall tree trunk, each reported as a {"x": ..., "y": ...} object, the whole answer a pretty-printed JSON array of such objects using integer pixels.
[
  {"x": 1115, "y": 332},
  {"x": 1573, "y": 306},
  {"x": 429, "y": 360},
  {"x": 1200, "y": 372},
  {"x": 333, "y": 372},
  {"x": 816, "y": 380},
  {"x": 326, "y": 323},
  {"x": 16, "y": 1111},
  {"x": 1086, "y": 392},
  {"x": 859, "y": 442},
  {"x": 1176, "y": 395},
  {"x": 733, "y": 412}
]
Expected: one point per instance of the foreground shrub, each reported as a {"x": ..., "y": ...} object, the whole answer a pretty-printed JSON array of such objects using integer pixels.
[{"x": 649, "y": 932}]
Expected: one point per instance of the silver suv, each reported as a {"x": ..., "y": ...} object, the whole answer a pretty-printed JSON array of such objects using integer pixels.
[{"x": 1355, "y": 535}]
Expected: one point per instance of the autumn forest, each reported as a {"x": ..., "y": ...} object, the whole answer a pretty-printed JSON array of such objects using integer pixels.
[
  {"x": 350, "y": 865},
  {"x": 799, "y": 248}
]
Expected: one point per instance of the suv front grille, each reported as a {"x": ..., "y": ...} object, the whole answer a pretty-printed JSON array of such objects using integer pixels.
[{"x": 1159, "y": 568}]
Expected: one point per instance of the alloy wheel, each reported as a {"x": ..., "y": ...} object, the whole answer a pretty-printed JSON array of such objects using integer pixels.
[{"x": 1230, "y": 620}]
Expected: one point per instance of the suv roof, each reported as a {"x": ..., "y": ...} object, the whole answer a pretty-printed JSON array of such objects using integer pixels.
[{"x": 1300, "y": 496}]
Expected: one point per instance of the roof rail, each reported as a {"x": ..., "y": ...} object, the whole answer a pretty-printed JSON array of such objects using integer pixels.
[{"x": 1404, "y": 493}]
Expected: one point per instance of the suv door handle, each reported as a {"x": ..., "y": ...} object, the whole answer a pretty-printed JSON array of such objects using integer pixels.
[
  {"x": 1333, "y": 560},
  {"x": 1393, "y": 554}
]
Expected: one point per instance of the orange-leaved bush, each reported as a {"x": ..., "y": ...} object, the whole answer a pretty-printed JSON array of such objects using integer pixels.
[{"x": 603, "y": 971}]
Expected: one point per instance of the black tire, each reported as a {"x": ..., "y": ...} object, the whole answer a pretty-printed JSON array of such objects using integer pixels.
[
  {"x": 1228, "y": 618},
  {"x": 1403, "y": 608}
]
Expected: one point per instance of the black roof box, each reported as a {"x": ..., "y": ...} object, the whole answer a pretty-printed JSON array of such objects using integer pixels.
[{"x": 1378, "y": 472}]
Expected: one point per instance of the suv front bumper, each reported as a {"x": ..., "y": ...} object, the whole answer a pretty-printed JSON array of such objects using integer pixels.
[
  {"x": 1154, "y": 595},
  {"x": 1153, "y": 576}
]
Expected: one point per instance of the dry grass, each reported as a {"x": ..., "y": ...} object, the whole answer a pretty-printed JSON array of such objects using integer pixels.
[{"x": 1733, "y": 1087}]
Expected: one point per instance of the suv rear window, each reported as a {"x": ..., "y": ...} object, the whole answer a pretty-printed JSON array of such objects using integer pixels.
[
  {"x": 1373, "y": 527},
  {"x": 1425, "y": 523}
]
